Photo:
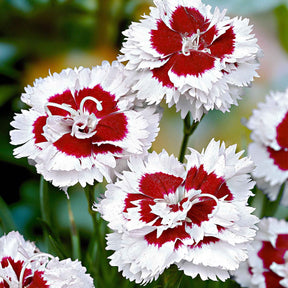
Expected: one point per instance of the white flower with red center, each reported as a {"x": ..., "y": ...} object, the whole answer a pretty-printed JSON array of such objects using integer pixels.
[
  {"x": 23, "y": 265},
  {"x": 269, "y": 151},
  {"x": 81, "y": 122},
  {"x": 197, "y": 58},
  {"x": 196, "y": 218},
  {"x": 267, "y": 264}
]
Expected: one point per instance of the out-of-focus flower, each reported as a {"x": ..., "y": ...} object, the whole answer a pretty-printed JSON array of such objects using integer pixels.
[
  {"x": 267, "y": 264},
  {"x": 197, "y": 58},
  {"x": 197, "y": 218},
  {"x": 269, "y": 151},
  {"x": 23, "y": 265},
  {"x": 81, "y": 122}
]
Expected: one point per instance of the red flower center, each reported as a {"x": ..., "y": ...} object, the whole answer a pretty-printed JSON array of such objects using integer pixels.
[
  {"x": 190, "y": 46},
  {"x": 30, "y": 280},
  {"x": 82, "y": 125},
  {"x": 172, "y": 205}
]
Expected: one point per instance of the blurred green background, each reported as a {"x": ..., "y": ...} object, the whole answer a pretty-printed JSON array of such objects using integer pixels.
[{"x": 38, "y": 36}]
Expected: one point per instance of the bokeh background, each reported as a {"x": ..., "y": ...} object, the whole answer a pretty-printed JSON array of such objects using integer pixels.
[{"x": 42, "y": 36}]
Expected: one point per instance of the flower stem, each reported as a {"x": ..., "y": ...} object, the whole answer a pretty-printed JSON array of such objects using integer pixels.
[
  {"x": 90, "y": 195},
  {"x": 188, "y": 130},
  {"x": 75, "y": 240},
  {"x": 45, "y": 209},
  {"x": 172, "y": 277},
  {"x": 269, "y": 209},
  {"x": 93, "y": 250}
]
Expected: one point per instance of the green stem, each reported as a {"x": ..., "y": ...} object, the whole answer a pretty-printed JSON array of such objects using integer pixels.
[
  {"x": 45, "y": 210},
  {"x": 75, "y": 240},
  {"x": 44, "y": 201},
  {"x": 90, "y": 195},
  {"x": 269, "y": 208},
  {"x": 172, "y": 277},
  {"x": 93, "y": 248},
  {"x": 188, "y": 130}
]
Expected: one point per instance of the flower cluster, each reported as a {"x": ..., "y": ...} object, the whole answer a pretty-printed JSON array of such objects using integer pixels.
[
  {"x": 267, "y": 265},
  {"x": 269, "y": 125},
  {"x": 23, "y": 265},
  {"x": 86, "y": 125},
  {"x": 182, "y": 213},
  {"x": 196, "y": 58}
]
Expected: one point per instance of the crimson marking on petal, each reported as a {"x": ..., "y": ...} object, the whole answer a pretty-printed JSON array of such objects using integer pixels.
[
  {"x": 200, "y": 212},
  {"x": 195, "y": 64},
  {"x": 282, "y": 132},
  {"x": 131, "y": 198},
  {"x": 280, "y": 158},
  {"x": 65, "y": 98},
  {"x": 145, "y": 212},
  {"x": 164, "y": 40},
  {"x": 272, "y": 280},
  {"x": 36, "y": 281},
  {"x": 161, "y": 73},
  {"x": 199, "y": 179},
  {"x": 158, "y": 185},
  {"x": 270, "y": 254},
  {"x": 111, "y": 128},
  {"x": 73, "y": 146},
  {"x": 106, "y": 148},
  {"x": 170, "y": 235},
  {"x": 223, "y": 45},
  {"x": 38, "y": 129},
  {"x": 83, "y": 147},
  {"x": 205, "y": 241},
  {"x": 107, "y": 100},
  {"x": 187, "y": 20},
  {"x": 17, "y": 266}
]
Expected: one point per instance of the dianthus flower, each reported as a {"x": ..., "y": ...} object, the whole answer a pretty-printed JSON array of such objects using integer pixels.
[
  {"x": 267, "y": 265},
  {"x": 269, "y": 149},
  {"x": 23, "y": 265},
  {"x": 197, "y": 58},
  {"x": 81, "y": 122},
  {"x": 197, "y": 218}
]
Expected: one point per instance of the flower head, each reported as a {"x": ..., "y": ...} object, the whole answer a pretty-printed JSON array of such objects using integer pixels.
[
  {"x": 267, "y": 265},
  {"x": 197, "y": 58},
  {"x": 269, "y": 149},
  {"x": 23, "y": 265},
  {"x": 81, "y": 122},
  {"x": 160, "y": 210}
]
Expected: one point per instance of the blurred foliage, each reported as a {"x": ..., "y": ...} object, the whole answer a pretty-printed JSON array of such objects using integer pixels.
[{"x": 281, "y": 13}]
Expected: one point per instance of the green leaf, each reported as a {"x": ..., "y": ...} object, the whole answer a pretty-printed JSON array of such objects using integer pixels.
[
  {"x": 281, "y": 13},
  {"x": 6, "y": 219},
  {"x": 56, "y": 246}
]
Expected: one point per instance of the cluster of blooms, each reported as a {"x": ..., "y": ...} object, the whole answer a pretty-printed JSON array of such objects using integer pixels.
[
  {"x": 23, "y": 265},
  {"x": 84, "y": 125},
  {"x": 269, "y": 125},
  {"x": 267, "y": 265}
]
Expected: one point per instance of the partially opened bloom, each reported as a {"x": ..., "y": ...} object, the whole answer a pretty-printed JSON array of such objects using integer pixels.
[
  {"x": 23, "y": 265},
  {"x": 267, "y": 265},
  {"x": 269, "y": 149},
  {"x": 197, "y": 58},
  {"x": 196, "y": 216},
  {"x": 81, "y": 122}
]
